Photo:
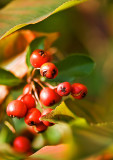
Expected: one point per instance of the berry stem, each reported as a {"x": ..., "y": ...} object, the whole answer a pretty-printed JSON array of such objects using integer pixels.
[
  {"x": 38, "y": 81},
  {"x": 49, "y": 85},
  {"x": 36, "y": 95}
]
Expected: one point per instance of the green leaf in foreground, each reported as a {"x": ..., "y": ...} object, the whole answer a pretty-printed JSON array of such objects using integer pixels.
[
  {"x": 8, "y": 79},
  {"x": 37, "y": 43},
  {"x": 74, "y": 66},
  {"x": 18, "y": 13},
  {"x": 60, "y": 113}
]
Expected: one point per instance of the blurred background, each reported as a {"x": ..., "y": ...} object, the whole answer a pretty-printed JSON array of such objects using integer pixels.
[{"x": 84, "y": 29}]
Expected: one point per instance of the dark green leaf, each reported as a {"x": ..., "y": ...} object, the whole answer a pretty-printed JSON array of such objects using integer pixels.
[
  {"x": 74, "y": 66},
  {"x": 7, "y": 78},
  {"x": 37, "y": 43}
]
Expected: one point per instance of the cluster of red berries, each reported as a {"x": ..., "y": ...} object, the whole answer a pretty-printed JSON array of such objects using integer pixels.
[{"x": 25, "y": 105}]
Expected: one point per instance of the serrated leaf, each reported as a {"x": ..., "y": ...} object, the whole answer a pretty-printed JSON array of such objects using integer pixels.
[
  {"x": 74, "y": 66},
  {"x": 7, "y": 78},
  {"x": 37, "y": 43},
  {"x": 18, "y": 13}
]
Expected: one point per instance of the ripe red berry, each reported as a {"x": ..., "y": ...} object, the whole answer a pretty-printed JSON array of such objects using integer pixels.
[
  {"x": 22, "y": 144},
  {"x": 63, "y": 89},
  {"x": 40, "y": 127},
  {"x": 26, "y": 89},
  {"x": 19, "y": 98},
  {"x": 39, "y": 57},
  {"x": 32, "y": 117},
  {"x": 29, "y": 101},
  {"x": 49, "y": 97},
  {"x": 49, "y": 70},
  {"x": 78, "y": 90},
  {"x": 16, "y": 108},
  {"x": 45, "y": 112}
]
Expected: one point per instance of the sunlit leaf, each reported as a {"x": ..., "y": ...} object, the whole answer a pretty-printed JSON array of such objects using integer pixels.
[
  {"x": 18, "y": 13},
  {"x": 55, "y": 152},
  {"x": 60, "y": 113}
]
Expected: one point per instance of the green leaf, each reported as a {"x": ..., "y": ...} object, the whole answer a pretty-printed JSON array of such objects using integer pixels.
[
  {"x": 74, "y": 66},
  {"x": 18, "y": 13},
  {"x": 60, "y": 113},
  {"x": 37, "y": 43},
  {"x": 7, "y": 78}
]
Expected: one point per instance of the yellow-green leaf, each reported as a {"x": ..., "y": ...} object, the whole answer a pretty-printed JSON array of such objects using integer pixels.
[{"x": 18, "y": 13}]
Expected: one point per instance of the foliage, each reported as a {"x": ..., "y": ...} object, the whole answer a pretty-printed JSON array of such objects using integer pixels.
[{"x": 83, "y": 128}]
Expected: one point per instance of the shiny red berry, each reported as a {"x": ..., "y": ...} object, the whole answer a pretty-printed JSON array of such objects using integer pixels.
[
  {"x": 49, "y": 70},
  {"x": 16, "y": 108},
  {"x": 49, "y": 97},
  {"x": 39, "y": 57},
  {"x": 26, "y": 89},
  {"x": 22, "y": 144},
  {"x": 64, "y": 89},
  {"x": 29, "y": 101},
  {"x": 32, "y": 117},
  {"x": 40, "y": 127},
  {"x": 78, "y": 90},
  {"x": 45, "y": 112}
]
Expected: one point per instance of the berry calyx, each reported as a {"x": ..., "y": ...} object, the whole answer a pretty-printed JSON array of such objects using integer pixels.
[
  {"x": 22, "y": 144},
  {"x": 26, "y": 89},
  {"x": 64, "y": 89},
  {"x": 45, "y": 112},
  {"x": 32, "y": 117},
  {"x": 29, "y": 101},
  {"x": 78, "y": 90},
  {"x": 17, "y": 109},
  {"x": 49, "y": 70},
  {"x": 39, "y": 57},
  {"x": 49, "y": 97},
  {"x": 40, "y": 127}
]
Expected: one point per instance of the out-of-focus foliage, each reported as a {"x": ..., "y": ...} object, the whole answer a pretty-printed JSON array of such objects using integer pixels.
[{"x": 88, "y": 131}]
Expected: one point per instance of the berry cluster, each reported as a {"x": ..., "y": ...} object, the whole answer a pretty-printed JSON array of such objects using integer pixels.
[{"x": 37, "y": 91}]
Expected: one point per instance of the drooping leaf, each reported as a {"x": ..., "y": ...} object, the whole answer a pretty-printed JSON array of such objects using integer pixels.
[
  {"x": 18, "y": 13},
  {"x": 7, "y": 78},
  {"x": 74, "y": 66},
  {"x": 37, "y": 43}
]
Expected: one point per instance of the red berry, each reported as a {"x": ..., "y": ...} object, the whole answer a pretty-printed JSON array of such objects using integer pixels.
[
  {"x": 45, "y": 112},
  {"x": 40, "y": 127},
  {"x": 16, "y": 108},
  {"x": 22, "y": 144},
  {"x": 78, "y": 90},
  {"x": 63, "y": 89},
  {"x": 19, "y": 98},
  {"x": 49, "y": 97},
  {"x": 49, "y": 70},
  {"x": 26, "y": 89},
  {"x": 29, "y": 101},
  {"x": 32, "y": 117},
  {"x": 39, "y": 57}
]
